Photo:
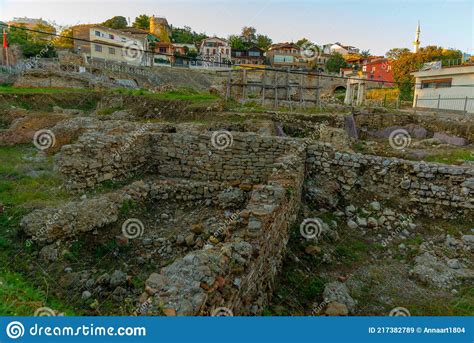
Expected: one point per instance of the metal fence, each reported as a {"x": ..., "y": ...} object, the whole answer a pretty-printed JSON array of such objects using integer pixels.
[{"x": 461, "y": 104}]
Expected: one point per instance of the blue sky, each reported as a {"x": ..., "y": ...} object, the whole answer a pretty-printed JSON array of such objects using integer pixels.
[{"x": 375, "y": 25}]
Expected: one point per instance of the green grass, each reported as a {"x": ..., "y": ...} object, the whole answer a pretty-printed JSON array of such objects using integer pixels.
[
  {"x": 460, "y": 305},
  {"x": 19, "y": 298},
  {"x": 24, "y": 90},
  {"x": 25, "y": 183},
  {"x": 107, "y": 111},
  {"x": 452, "y": 157},
  {"x": 351, "y": 251},
  {"x": 182, "y": 94},
  {"x": 26, "y": 180}
]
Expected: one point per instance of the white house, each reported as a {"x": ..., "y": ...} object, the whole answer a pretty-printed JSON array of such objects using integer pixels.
[
  {"x": 342, "y": 49},
  {"x": 216, "y": 50},
  {"x": 448, "y": 88},
  {"x": 106, "y": 44}
]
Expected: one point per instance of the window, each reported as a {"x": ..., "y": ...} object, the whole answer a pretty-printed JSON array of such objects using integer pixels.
[
  {"x": 97, "y": 33},
  {"x": 439, "y": 83},
  {"x": 214, "y": 51},
  {"x": 226, "y": 51},
  {"x": 283, "y": 59},
  {"x": 254, "y": 53},
  {"x": 238, "y": 53},
  {"x": 163, "y": 50},
  {"x": 98, "y": 47},
  {"x": 112, "y": 51}
]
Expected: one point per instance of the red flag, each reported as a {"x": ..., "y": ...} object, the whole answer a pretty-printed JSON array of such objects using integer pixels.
[{"x": 5, "y": 44}]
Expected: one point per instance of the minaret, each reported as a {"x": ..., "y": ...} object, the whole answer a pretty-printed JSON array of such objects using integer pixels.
[{"x": 416, "y": 43}]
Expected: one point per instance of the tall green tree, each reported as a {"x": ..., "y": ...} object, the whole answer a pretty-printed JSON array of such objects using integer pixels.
[
  {"x": 117, "y": 22},
  {"x": 365, "y": 53},
  {"x": 236, "y": 42},
  {"x": 142, "y": 22},
  {"x": 263, "y": 42},
  {"x": 186, "y": 35},
  {"x": 335, "y": 62}
]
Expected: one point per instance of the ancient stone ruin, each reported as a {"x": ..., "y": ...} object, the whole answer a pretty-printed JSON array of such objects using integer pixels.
[{"x": 246, "y": 188}]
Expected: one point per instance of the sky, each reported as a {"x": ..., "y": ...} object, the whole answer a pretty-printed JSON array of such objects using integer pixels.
[{"x": 367, "y": 24}]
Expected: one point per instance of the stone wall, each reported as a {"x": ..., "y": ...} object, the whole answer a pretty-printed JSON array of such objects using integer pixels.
[
  {"x": 96, "y": 157},
  {"x": 249, "y": 158},
  {"x": 73, "y": 218},
  {"x": 237, "y": 275},
  {"x": 236, "y": 268},
  {"x": 437, "y": 190}
]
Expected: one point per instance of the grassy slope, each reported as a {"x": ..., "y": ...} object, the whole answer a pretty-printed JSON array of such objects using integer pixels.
[{"x": 25, "y": 182}]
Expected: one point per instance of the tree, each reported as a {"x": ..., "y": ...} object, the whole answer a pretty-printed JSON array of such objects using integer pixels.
[
  {"x": 335, "y": 62},
  {"x": 65, "y": 41},
  {"x": 263, "y": 42},
  {"x": 142, "y": 22},
  {"x": 408, "y": 62},
  {"x": 249, "y": 35},
  {"x": 32, "y": 44},
  {"x": 117, "y": 22},
  {"x": 365, "y": 53},
  {"x": 395, "y": 53},
  {"x": 186, "y": 35},
  {"x": 236, "y": 42},
  {"x": 303, "y": 41}
]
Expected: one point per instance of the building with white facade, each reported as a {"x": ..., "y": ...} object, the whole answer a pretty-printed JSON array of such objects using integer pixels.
[
  {"x": 105, "y": 44},
  {"x": 216, "y": 50},
  {"x": 448, "y": 88}
]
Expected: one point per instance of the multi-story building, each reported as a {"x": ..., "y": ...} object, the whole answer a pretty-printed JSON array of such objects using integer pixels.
[
  {"x": 253, "y": 55},
  {"x": 379, "y": 70},
  {"x": 216, "y": 50},
  {"x": 175, "y": 53},
  {"x": 286, "y": 55},
  {"x": 106, "y": 44}
]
